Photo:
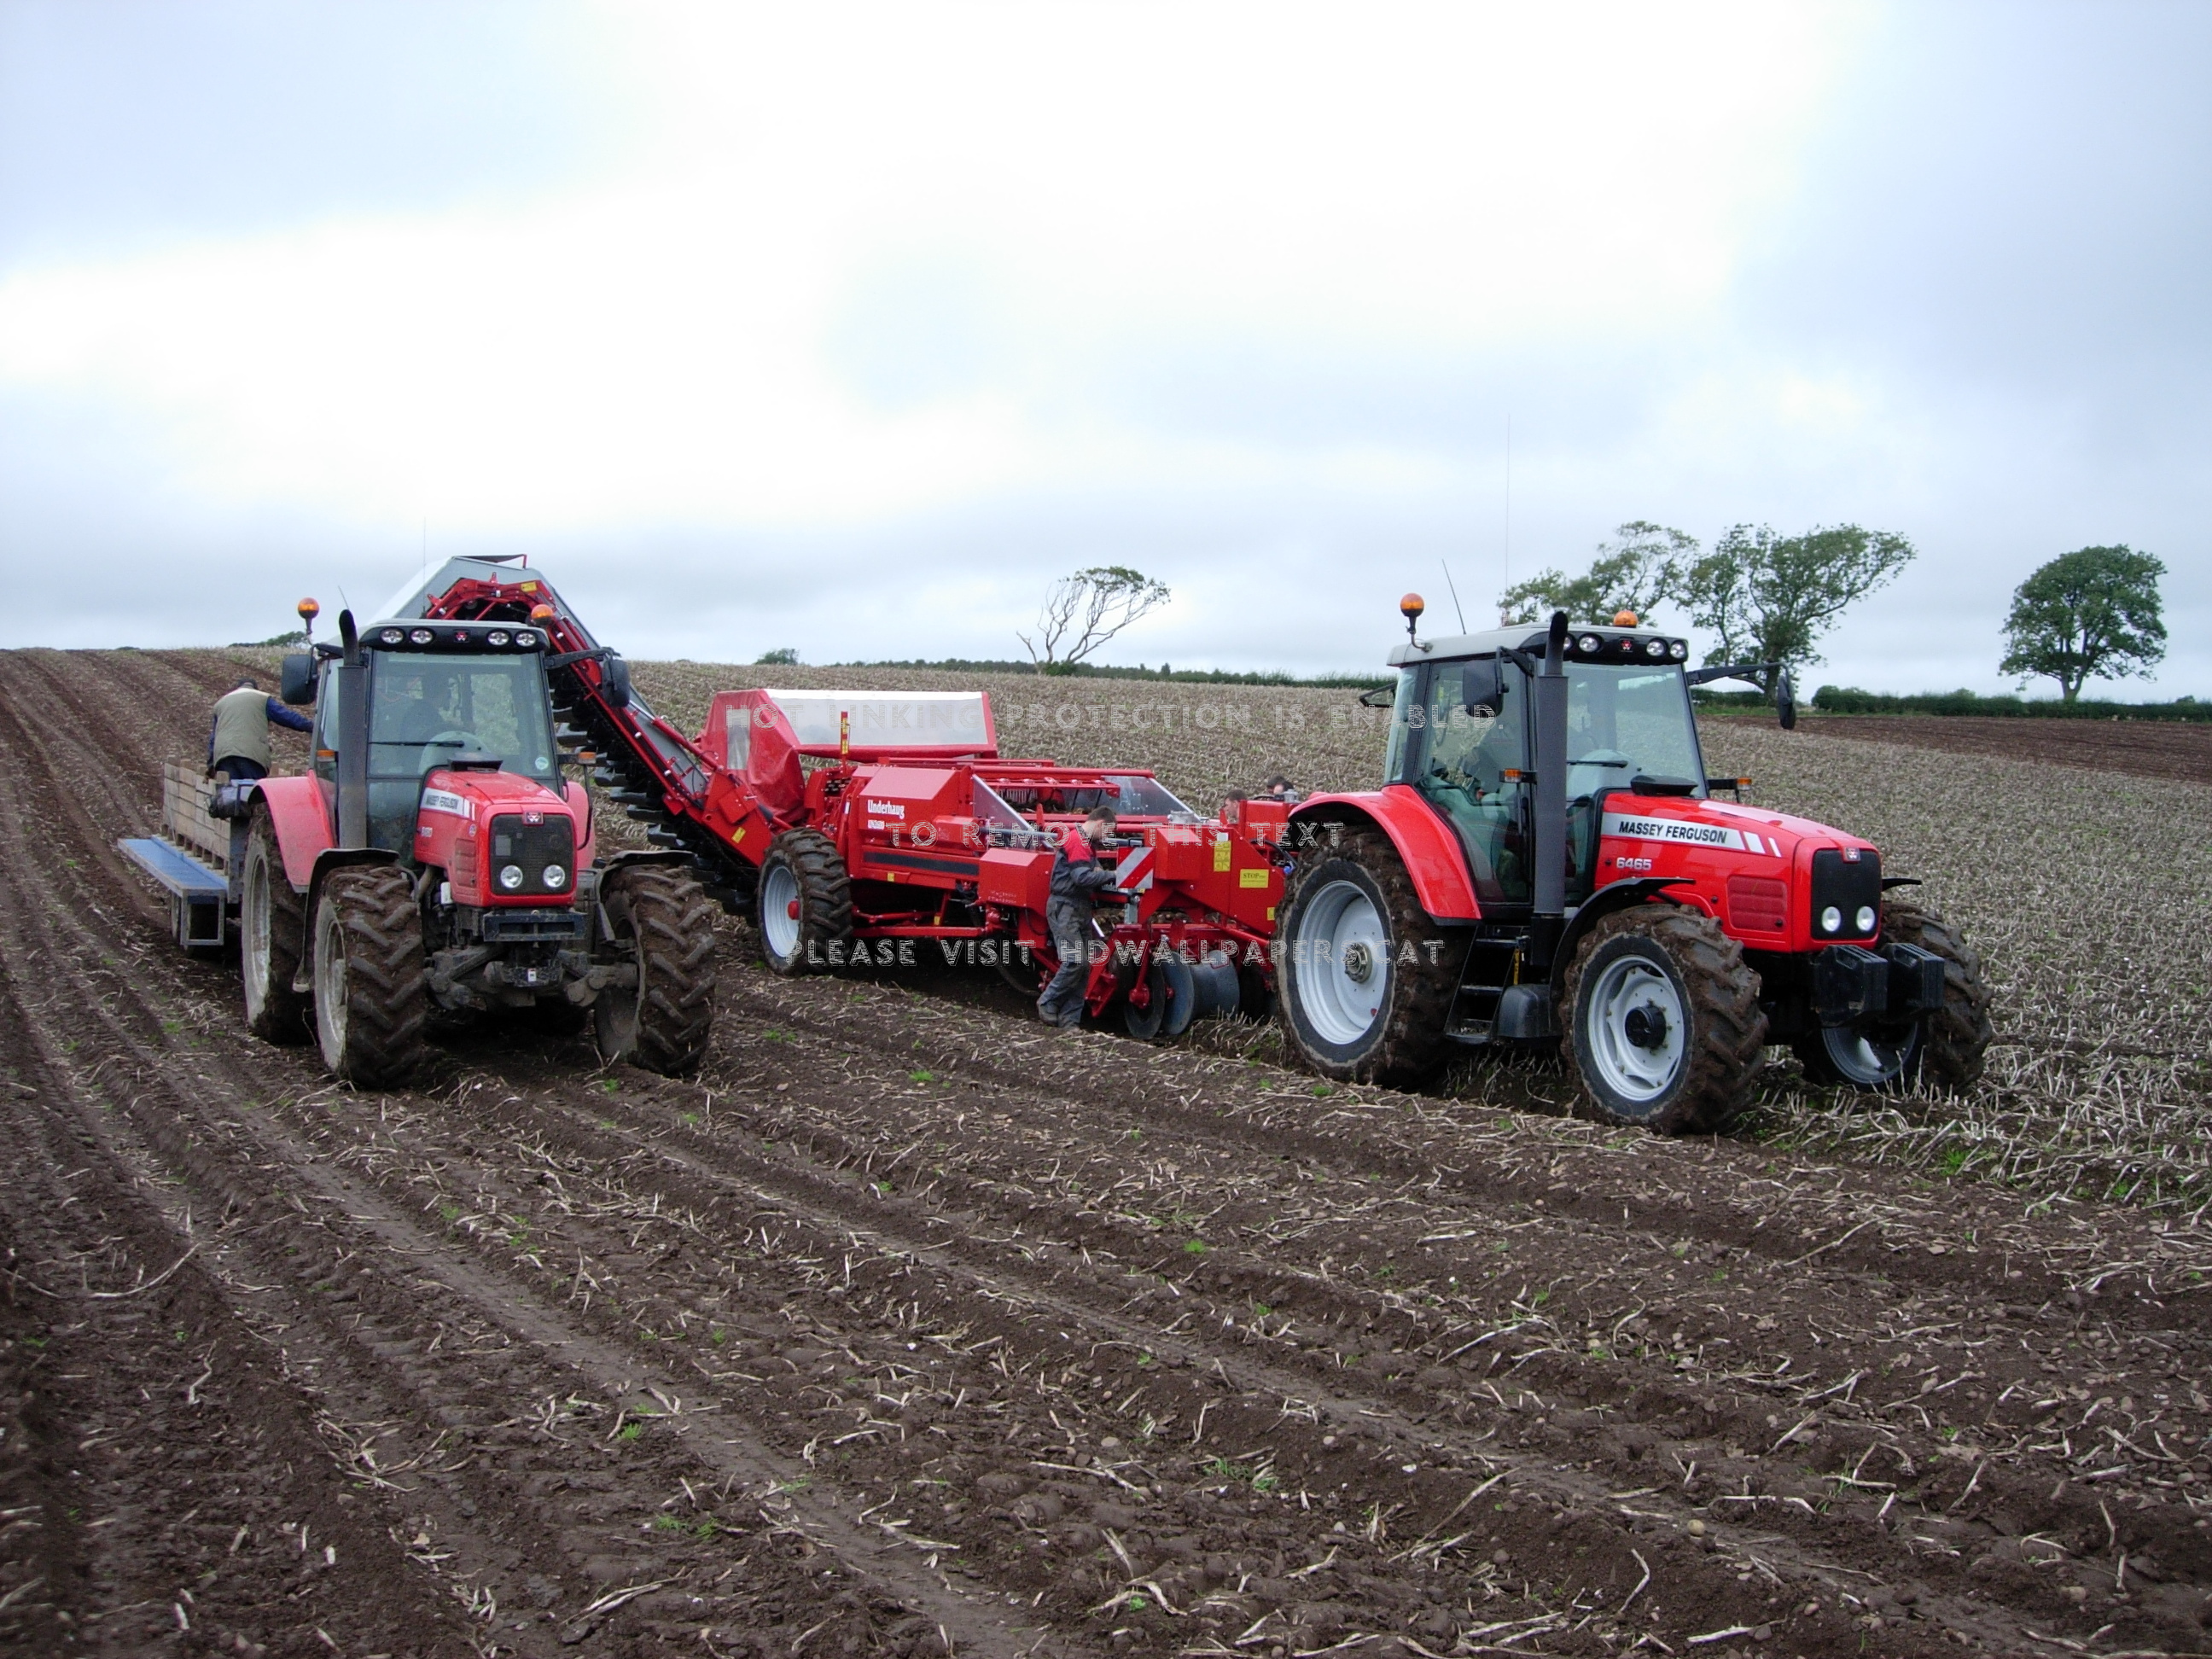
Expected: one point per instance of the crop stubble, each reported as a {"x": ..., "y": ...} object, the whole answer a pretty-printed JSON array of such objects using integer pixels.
[{"x": 904, "y": 1323}]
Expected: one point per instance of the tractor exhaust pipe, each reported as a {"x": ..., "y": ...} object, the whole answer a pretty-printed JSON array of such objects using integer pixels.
[
  {"x": 1551, "y": 711},
  {"x": 349, "y": 679}
]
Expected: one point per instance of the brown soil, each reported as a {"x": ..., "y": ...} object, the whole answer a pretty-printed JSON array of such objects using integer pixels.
[
  {"x": 2143, "y": 749},
  {"x": 906, "y": 1328}
]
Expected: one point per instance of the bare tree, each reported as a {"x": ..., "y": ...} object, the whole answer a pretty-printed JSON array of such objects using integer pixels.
[{"x": 1083, "y": 611}]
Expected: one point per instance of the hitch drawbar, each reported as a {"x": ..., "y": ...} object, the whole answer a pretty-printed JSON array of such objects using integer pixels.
[{"x": 1851, "y": 983}]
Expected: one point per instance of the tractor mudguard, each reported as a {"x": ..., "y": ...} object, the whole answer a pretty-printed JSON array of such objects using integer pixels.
[
  {"x": 297, "y": 814},
  {"x": 648, "y": 855},
  {"x": 1613, "y": 896},
  {"x": 1431, "y": 853}
]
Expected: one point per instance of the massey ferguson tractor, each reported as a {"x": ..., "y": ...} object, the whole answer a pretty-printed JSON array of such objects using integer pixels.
[
  {"x": 435, "y": 861},
  {"x": 1546, "y": 866}
]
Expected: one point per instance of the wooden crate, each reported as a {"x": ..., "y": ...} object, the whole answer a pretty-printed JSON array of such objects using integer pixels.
[{"x": 185, "y": 820}]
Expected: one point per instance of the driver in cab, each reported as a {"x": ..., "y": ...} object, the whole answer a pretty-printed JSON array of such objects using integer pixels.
[{"x": 420, "y": 708}]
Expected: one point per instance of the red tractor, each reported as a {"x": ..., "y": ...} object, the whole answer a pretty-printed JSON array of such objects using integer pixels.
[
  {"x": 436, "y": 861},
  {"x": 1546, "y": 866}
]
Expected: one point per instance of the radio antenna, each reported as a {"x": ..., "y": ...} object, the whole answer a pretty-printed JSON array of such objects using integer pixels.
[{"x": 1454, "y": 587}]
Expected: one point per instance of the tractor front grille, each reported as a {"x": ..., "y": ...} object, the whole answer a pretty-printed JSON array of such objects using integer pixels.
[
  {"x": 1846, "y": 880},
  {"x": 536, "y": 849}
]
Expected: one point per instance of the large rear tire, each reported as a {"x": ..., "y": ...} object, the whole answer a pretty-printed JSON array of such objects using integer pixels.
[
  {"x": 805, "y": 902},
  {"x": 1664, "y": 1029},
  {"x": 1365, "y": 977},
  {"x": 371, "y": 1005},
  {"x": 660, "y": 921},
  {"x": 272, "y": 937},
  {"x": 1955, "y": 1043}
]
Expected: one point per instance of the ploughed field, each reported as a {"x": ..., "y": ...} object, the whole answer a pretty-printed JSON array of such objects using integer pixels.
[{"x": 905, "y": 1327}]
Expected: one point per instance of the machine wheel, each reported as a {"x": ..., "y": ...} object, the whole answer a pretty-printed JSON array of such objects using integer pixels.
[
  {"x": 1364, "y": 978},
  {"x": 1875, "y": 1061},
  {"x": 1663, "y": 1023},
  {"x": 1024, "y": 971},
  {"x": 1146, "y": 1022},
  {"x": 804, "y": 899},
  {"x": 371, "y": 1005},
  {"x": 272, "y": 936},
  {"x": 1954, "y": 1044},
  {"x": 661, "y": 920}
]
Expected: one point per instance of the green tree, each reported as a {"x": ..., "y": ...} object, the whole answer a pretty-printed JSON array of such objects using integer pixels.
[
  {"x": 1770, "y": 598},
  {"x": 2090, "y": 614},
  {"x": 1081, "y": 612},
  {"x": 784, "y": 656},
  {"x": 1645, "y": 565}
]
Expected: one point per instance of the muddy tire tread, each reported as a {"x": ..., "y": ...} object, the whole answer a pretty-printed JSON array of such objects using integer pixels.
[
  {"x": 387, "y": 1001},
  {"x": 825, "y": 906},
  {"x": 1414, "y": 1045},
  {"x": 1728, "y": 1028},
  {"x": 282, "y": 1016},
  {"x": 1953, "y": 1050},
  {"x": 673, "y": 922}
]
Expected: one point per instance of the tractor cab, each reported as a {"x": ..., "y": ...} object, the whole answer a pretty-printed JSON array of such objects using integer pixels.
[
  {"x": 463, "y": 699},
  {"x": 1462, "y": 735}
]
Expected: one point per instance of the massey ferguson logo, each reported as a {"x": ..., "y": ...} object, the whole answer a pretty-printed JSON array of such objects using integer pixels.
[
  {"x": 444, "y": 800},
  {"x": 1676, "y": 831}
]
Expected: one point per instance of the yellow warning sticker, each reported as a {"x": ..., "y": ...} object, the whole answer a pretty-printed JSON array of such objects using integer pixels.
[
  {"x": 1271, "y": 913},
  {"x": 1221, "y": 854},
  {"x": 737, "y": 837},
  {"x": 1252, "y": 878}
]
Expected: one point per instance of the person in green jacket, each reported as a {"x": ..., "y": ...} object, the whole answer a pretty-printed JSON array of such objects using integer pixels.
[{"x": 237, "y": 741}]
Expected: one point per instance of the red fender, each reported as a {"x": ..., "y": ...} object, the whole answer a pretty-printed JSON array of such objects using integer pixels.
[
  {"x": 1431, "y": 853},
  {"x": 302, "y": 827}
]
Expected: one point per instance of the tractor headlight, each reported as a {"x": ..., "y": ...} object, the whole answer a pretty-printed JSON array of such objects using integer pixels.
[
  {"x": 510, "y": 877},
  {"x": 1832, "y": 919},
  {"x": 1679, "y": 649},
  {"x": 1655, "y": 647},
  {"x": 391, "y": 636},
  {"x": 419, "y": 635},
  {"x": 525, "y": 639},
  {"x": 1866, "y": 918},
  {"x": 499, "y": 638},
  {"x": 1588, "y": 644},
  {"x": 554, "y": 876}
]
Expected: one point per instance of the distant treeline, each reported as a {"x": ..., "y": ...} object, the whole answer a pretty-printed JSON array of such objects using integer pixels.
[
  {"x": 1087, "y": 671},
  {"x": 1850, "y": 700}
]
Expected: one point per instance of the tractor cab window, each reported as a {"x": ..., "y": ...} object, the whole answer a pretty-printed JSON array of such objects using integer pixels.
[
  {"x": 1473, "y": 766},
  {"x": 1624, "y": 723},
  {"x": 425, "y": 710}
]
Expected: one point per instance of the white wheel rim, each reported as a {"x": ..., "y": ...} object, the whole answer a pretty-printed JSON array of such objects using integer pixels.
[
  {"x": 1342, "y": 963},
  {"x": 1637, "y": 1028},
  {"x": 1862, "y": 1060},
  {"x": 779, "y": 892},
  {"x": 255, "y": 945},
  {"x": 330, "y": 987}
]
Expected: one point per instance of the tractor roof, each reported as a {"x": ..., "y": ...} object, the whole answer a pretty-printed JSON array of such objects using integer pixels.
[{"x": 1522, "y": 636}]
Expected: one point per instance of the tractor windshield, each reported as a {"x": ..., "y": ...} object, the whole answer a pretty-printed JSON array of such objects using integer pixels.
[
  {"x": 1625, "y": 723},
  {"x": 424, "y": 710}
]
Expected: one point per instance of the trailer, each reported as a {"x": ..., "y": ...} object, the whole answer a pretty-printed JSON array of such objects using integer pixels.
[{"x": 197, "y": 858}]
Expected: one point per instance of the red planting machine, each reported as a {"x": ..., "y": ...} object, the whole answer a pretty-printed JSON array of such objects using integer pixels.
[{"x": 876, "y": 827}]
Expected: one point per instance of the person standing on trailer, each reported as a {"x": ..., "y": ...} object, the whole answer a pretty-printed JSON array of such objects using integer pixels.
[
  {"x": 1078, "y": 878},
  {"x": 237, "y": 741}
]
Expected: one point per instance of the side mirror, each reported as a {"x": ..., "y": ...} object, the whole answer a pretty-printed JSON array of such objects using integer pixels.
[
  {"x": 1785, "y": 701},
  {"x": 296, "y": 680},
  {"x": 614, "y": 681},
  {"x": 1482, "y": 687}
]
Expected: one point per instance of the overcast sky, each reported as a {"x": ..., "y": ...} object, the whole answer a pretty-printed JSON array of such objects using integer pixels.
[{"x": 848, "y": 328}]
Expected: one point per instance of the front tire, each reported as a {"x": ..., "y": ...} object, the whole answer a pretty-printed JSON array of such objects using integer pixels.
[
  {"x": 803, "y": 900},
  {"x": 662, "y": 923},
  {"x": 1664, "y": 1029},
  {"x": 272, "y": 937},
  {"x": 1954, "y": 1042},
  {"x": 1365, "y": 977},
  {"x": 371, "y": 1006}
]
